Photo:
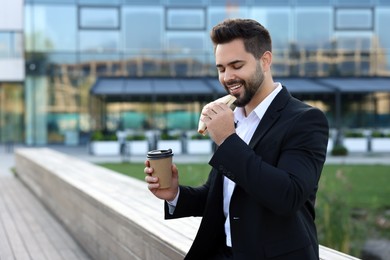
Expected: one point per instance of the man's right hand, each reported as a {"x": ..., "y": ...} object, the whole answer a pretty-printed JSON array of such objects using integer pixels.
[{"x": 153, "y": 185}]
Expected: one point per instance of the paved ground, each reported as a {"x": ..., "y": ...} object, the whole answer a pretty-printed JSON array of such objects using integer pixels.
[{"x": 29, "y": 231}]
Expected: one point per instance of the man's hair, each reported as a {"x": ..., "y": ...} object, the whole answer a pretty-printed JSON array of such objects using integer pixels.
[{"x": 256, "y": 37}]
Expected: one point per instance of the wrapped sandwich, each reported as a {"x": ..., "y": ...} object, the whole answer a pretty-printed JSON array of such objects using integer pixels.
[{"x": 228, "y": 100}]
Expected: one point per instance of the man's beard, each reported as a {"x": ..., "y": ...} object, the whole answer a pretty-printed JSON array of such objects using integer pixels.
[{"x": 250, "y": 87}]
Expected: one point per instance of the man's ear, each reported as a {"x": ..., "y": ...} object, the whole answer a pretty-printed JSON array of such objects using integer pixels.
[{"x": 266, "y": 61}]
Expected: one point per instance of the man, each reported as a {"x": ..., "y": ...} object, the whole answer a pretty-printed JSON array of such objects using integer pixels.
[{"x": 258, "y": 202}]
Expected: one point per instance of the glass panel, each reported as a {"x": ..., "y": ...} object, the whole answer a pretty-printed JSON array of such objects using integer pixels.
[
  {"x": 178, "y": 18},
  {"x": 277, "y": 21},
  {"x": 143, "y": 2},
  {"x": 99, "y": 17},
  {"x": 11, "y": 45},
  {"x": 353, "y": 2},
  {"x": 353, "y": 41},
  {"x": 52, "y": 1},
  {"x": 311, "y": 2},
  {"x": 272, "y": 2},
  {"x": 36, "y": 113},
  {"x": 92, "y": 65},
  {"x": 135, "y": 38},
  {"x": 11, "y": 113},
  {"x": 186, "y": 2},
  {"x": 99, "y": 41},
  {"x": 313, "y": 27},
  {"x": 350, "y": 19},
  {"x": 383, "y": 41},
  {"x": 48, "y": 31},
  {"x": 185, "y": 42},
  {"x": 100, "y": 2}
]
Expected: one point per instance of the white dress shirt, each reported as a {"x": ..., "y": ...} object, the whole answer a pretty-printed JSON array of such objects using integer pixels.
[{"x": 245, "y": 128}]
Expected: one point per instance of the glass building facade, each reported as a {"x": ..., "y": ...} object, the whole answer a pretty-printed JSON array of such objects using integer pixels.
[{"x": 69, "y": 44}]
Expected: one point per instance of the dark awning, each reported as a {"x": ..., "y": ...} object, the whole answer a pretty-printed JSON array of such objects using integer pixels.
[
  {"x": 136, "y": 89},
  {"x": 187, "y": 89},
  {"x": 358, "y": 85}
]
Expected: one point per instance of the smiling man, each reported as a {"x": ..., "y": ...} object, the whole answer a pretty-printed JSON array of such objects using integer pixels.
[{"x": 258, "y": 202}]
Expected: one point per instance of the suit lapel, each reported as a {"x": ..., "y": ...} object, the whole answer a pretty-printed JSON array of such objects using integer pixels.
[{"x": 271, "y": 116}]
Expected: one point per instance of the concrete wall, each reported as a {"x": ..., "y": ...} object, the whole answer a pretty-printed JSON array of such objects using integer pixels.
[{"x": 112, "y": 216}]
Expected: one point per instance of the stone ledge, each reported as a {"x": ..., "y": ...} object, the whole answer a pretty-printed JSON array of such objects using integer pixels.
[{"x": 111, "y": 215}]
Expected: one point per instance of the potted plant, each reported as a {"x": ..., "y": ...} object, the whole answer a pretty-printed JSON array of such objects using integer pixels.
[
  {"x": 355, "y": 141},
  {"x": 104, "y": 143},
  {"x": 170, "y": 141},
  {"x": 380, "y": 141},
  {"x": 137, "y": 144},
  {"x": 199, "y": 144},
  {"x": 339, "y": 150}
]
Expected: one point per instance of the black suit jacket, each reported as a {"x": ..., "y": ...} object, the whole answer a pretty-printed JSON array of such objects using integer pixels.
[{"x": 276, "y": 175}]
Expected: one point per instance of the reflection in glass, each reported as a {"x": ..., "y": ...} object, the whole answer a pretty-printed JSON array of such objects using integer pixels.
[
  {"x": 99, "y": 17},
  {"x": 352, "y": 19},
  {"x": 99, "y": 41},
  {"x": 11, "y": 45},
  {"x": 138, "y": 38},
  {"x": 190, "y": 19},
  {"x": 49, "y": 31},
  {"x": 313, "y": 28}
]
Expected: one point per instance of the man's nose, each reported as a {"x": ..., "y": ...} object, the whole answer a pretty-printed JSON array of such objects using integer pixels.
[{"x": 229, "y": 75}]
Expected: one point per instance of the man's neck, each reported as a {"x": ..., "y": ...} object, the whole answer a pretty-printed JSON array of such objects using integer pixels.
[{"x": 265, "y": 89}]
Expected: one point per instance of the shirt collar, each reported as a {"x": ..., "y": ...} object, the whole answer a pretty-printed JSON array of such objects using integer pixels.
[{"x": 261, "y": 108}]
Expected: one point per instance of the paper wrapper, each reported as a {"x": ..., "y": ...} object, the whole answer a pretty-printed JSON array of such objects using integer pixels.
[{"x": 228, "y": 100}]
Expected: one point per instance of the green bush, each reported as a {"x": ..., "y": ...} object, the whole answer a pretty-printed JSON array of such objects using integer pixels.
[
  {"x": 103, "y": 136},
  {"x": 354, "y": 134},
  {"x": 200, "y": 137},
  {"x": 339, "y": 150},
  {"x": 166, "y": 136},
  {"x": 378, "y": 134},
  {"x": 136, "y": 137}
]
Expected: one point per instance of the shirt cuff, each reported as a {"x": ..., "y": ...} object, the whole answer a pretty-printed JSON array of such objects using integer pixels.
[{"x": 172, "y": 204}]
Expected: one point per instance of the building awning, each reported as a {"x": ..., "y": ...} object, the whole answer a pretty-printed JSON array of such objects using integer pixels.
[
  {"x": 138, "y": 89},
  {"x": 189, "y": 89},
  {"x": 357, "y": 85}
]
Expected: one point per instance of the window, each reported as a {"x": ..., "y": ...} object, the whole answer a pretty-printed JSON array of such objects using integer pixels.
[
  {"x": 354, "y": 19},
  {"x": 99, "y": 18},
  {"x": 138, "y": 38},
  {"x": 186, "y": 19},
  {"x": 313, "y": 27},
  {"x": 99, "y": 41},
  {"x": 11, "y": 45},
  {"x": 46, "y": 29}
]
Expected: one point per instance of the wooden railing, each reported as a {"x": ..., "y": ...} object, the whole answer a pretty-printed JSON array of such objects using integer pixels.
[{"x": 111, "y": 216}]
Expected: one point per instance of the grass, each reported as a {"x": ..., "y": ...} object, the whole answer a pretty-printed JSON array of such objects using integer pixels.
[{"x": 351, "y": 199}]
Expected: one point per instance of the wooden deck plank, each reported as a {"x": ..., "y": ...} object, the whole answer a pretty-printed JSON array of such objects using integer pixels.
[
  {"x": 52, "y": 237},
  {"x": 5, "y": 246},
  {"x": 28, "y": 230}
]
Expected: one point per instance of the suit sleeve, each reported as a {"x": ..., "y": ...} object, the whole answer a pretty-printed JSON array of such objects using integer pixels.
[
  {"x": 282, "y": 176},
  {"x": 191, "y": 201}
]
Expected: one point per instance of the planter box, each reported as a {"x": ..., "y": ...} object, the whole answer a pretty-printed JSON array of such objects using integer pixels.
[
  {"x": 139, "y": 147},
  {"x": 175, "y": 145},
  {"x": 330, "y": 145},
  {"x": 380, "y": 144},
  {"x": 356, "y": 144},
  {"x": 199, "y": 146},
  {"x": 105, "y": 148}
]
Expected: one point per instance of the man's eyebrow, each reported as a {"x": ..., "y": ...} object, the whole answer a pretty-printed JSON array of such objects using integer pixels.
[{"x": 229, "y": 64}]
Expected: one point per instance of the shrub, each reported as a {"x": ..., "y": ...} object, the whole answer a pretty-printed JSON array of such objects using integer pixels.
[
  {"x": 200, "y": 137},
  {"x": 103, "y": 136},
  {"x": 166, "y": 136},
  {"x": 354, "y": 134},
  {"x": 339, "y": 150},
  {"x": 136, "y": 137}
]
